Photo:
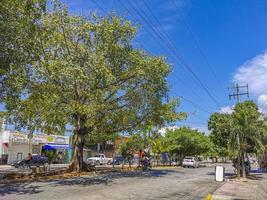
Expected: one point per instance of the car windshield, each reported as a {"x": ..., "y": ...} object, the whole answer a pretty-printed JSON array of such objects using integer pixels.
[
  {"x": 98, "y": 156},
  {"x": 188, "y": 158}
]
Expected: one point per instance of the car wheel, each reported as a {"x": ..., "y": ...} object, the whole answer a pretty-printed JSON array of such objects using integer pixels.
[
  {"x": 97, "y": 162},
  {"x": 183, "y": 166}
]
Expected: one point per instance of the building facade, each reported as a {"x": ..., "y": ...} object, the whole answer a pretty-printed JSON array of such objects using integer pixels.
[{"x": 15, "y": 145}]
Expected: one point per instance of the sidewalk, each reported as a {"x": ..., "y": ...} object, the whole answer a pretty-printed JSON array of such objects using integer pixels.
[
  {"x": 7, "y": 170},
  {"x": 251, "y": 188}
]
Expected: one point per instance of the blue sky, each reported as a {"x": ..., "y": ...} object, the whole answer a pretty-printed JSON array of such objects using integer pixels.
[{"x": 222, "y": 42}]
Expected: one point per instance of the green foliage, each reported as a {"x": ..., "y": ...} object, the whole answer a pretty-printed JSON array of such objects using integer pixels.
[
  {"x": 249, "y": 126},
  {"x": 98, "y": 138},
  {"x": 158, "y": 146},
  {"x": 186, "y": 142},
  {"x": 86, "y": 72},
  {"x": 50, "y": 154},
  {"x": 89, "y": 69},
  {"x": 242, "y": 131},
  {"x": 244, "y": 125},
  {"x": 127, "y": 150},
  {"x": 219, "y": 124},
  {"x": 19, "y": 30}
]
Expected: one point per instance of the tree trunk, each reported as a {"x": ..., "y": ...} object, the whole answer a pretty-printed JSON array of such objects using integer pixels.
[
  {"x": 139, "y": 162},
  {"x": 238, "y": 164},
  {"x": 77, "y": 163},
  {"x": 243, "y": 165}
]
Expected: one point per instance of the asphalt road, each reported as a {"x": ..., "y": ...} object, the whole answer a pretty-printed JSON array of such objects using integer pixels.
[{"x": 168, "y": 183}]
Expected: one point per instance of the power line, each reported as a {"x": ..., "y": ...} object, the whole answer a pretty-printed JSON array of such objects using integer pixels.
[
  {"x": 191, "y": 102},
  {"x": 194, "y": 104},
  {"x": 197, "y": 44},
  {"x": 160, "y": 25},
  {"x": 172, "y": 47},
  {"x": 167, "y": 45}
]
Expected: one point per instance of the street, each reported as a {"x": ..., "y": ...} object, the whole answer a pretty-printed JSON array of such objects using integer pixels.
[{"x": 160, "y": 183}]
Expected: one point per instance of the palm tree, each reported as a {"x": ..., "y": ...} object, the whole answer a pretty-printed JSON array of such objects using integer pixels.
[{"x": 247, "y": 131}]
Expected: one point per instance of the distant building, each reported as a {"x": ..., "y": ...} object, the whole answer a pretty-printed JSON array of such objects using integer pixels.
[
  {"x": 105, "y": 147},
  {"x": 15, "y": 145},
  {"x": 164, "y": 130}
]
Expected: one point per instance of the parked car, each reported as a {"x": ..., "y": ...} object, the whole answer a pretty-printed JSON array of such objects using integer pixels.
[
  {"x": 190, "y": 161},
  {"x": 37, "y": 160},
  {"x": 117, "y": 160},
  {"x": 99, "y": 159}
]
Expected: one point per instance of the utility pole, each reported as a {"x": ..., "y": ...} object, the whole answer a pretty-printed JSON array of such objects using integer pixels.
[{"x": 238, "y": 91}]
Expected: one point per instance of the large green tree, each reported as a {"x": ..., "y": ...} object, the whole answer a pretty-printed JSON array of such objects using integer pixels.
[
  {"x": 243, "y": 131},
  {"x": 19, "y": 30},
  {"x": 248, "y": 130},
  {"x": 90, "y": 76},
  {"x": 186, "y": 142},
  {"x": 219, "y": 124}
]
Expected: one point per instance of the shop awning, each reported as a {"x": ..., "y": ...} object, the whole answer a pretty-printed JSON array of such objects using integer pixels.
[{"x": 56, "y": 146}]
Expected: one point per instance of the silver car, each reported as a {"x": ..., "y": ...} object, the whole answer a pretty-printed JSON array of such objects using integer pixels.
[{"x": 190, "y": 161}]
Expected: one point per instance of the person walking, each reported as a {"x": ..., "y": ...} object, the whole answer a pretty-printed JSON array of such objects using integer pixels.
[{"x": 28, "y": 160}]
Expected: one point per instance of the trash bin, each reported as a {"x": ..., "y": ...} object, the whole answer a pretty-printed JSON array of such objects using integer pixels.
[{"x": 219, "y": 173}]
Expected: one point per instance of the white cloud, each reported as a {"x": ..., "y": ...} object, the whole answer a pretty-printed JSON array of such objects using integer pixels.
[
  {"x": 226, "y": 110},
  {"x": 262, "y": 102},
  {"x": 254, "y": 73}
]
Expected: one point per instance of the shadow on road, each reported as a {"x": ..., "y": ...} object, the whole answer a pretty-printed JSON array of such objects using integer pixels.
[
  {"x": 110, "y": 177},
  {"x": 19, "y": 189},
  {"x": 105, "y": 179},
  {"x": 227, "y": 174}
]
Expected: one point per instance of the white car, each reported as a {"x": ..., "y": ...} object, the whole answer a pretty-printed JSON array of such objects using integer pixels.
[
  {"x": 190, "y": 162},
  {"x": 99, "y": 159}
]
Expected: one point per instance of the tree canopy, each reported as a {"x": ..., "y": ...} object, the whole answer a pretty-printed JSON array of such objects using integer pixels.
[
  {"x": 19, "y": 29},
  {"x": 243, "y": 131},
  {"x": 89, "y": 75},
  {"x": 219, "y": 124},
  {"x": 186, "y": 142}
]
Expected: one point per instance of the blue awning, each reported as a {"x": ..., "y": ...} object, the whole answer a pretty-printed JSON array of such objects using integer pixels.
[{"x": 56, "y": 146}]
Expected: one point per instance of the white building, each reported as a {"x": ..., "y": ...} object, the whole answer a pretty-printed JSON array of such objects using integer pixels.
[
  {"x": 163, "y": 131},
  {"x": 15, "y": 145}
]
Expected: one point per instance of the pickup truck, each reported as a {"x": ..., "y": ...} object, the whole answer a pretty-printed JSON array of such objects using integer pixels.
[{"x": 99, "y": 159}]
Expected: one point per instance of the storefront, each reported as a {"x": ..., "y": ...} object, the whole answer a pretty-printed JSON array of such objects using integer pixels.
[
  {"x": 59, "y": 147},
  {"x": 16, "y": 145}
]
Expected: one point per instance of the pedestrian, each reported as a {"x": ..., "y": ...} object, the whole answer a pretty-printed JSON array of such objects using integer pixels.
[{"x": 29, "y": 159}]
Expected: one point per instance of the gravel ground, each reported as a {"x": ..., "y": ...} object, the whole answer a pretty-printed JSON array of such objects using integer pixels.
[{"x": 162, "y": 183}]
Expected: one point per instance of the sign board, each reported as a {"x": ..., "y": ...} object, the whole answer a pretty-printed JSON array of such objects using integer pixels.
[
  {"x": 219, "y": 173},
  {"x": 57, "y": 139},
  {"x": 18, "y": 137},
  {"x": 39, "y": 139}
]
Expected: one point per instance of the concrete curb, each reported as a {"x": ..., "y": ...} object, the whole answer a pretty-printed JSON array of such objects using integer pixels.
[{"x": 214, "y": 197}]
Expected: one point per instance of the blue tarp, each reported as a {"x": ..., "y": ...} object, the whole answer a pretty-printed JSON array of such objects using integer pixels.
[{"x": 56, "y": 146}]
